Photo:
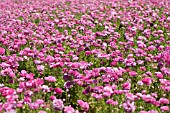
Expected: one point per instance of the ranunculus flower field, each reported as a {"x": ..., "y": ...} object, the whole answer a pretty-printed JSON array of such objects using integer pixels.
[{"x": 84, "y": 56}]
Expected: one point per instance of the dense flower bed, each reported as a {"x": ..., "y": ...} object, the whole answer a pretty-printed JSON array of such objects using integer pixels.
[{"x": 78, "y": 56}]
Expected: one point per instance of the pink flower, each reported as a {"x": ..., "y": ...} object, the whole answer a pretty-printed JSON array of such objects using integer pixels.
[
  {"x": 152, "y": 111},
  {"x": 143, "y": 68},
  {"x": 42, "y": 111},
  {"x": 151, "y": 48},
  {"x": 132, "y": 73},
  {"x": 129, "y": 106},
  {"x": 167, "y": 88},
  {"x": 143, "y": 112},
  {"x": 19, "y": 105},
  {"x": 58, "y": 104},
  {"x": 164, "y": 108},
  {"x": 127, "y": 86},
  {"x": 52, "y": 97},
  {"x": 33, "y": 106},
  {"x": 168, "y": 19},
  {"x": 166, "y": 55},
  {"x": 69, "y": 109},
  {"x": 2, "y": 51},
  {"x": 113, "y": 103},
  {"x": 147, "y": 80},
  {"x": 58, "y": 91},
  {"x": 130, "y": 96},
  {"x": 39, "y": 101},
  {"x": 159, "y": 75},
  {"x": 50, "y": 79},
  {"x": 108, "y": 89},
  {"x": 40, "y": 67},
  {"x": 97, "y": 96},
  {"x": 83, "y": 104}
]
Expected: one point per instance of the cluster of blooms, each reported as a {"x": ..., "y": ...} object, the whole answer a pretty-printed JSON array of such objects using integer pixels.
[{"x": 84, "y": 56}]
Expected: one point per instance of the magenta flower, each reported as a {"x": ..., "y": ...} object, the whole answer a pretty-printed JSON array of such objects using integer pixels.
[
  {"x": 166, "y": 55},
  {"x": 126, "y": 86},
  {"x": 132, "y": 73},
  {"x": 147, "y": 80},
  {"x": 2, "y": 51},
  {"x": 159, "y": 75},
  {"x": 58, "y": 91}
]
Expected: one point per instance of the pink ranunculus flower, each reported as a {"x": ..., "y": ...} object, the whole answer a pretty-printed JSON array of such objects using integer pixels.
[
  {"x": 168, "y": 18},
  {"x": 159, "y": 75},
  {"x": 50, "y": 79},
  {"x": 166, "y": 55},
  {"x": 126, "y": 86},
  {"x": 58, "y": 91},
  {"x": 112, "y": 102},
  {"x": 40, "y": 67},
  {"x": 132, "y": 73},
  {"x": 164, "y": 101},
  {"x": 152, "y": 111},
  {"x": 2, "y": 51},
  {"x": 69, "y": 109},
  {"x": 52, "y": 97},
  {"x": 165, "y": 108},
  {"x": 83, "y": 104},
  {"x": 147, "y": 80},
  {"x": 129, "y": 106},
  {"x": 42, "y": 111}
]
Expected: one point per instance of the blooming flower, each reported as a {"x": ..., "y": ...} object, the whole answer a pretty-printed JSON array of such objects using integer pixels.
[
  {"x": 58, "y": 91},
  {"x": 113, "y": 103},
  {"x": 50, "y": 79},
  {"x": 2, "y": 51},
  {"x": 147, "y": 80},
  {"x": 83, "y": 104},
  {"x": 129, "y": 106},
  {"x": 42, "y": 111},
  {"x": 69, "y": 109},
  {"x": 164, "y": 108},
  {"x": 127, "y": 86},
  {"x": 58, "y": 104},
  {"x": 132, "y": 73}
]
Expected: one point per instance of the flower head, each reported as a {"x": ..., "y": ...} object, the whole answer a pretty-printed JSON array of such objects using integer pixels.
[{"x": 58, "y": 104}]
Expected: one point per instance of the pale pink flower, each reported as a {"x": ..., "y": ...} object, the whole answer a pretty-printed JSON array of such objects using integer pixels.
[
  {"x": 69, "y": 109},
  {"x": 58, "y": 104},
  {"x": 83, "y": 104},
  {"x": 112, "y": 102},
  {"x": 165, "y": 108},
  {"x": 50, "y": 79}
]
